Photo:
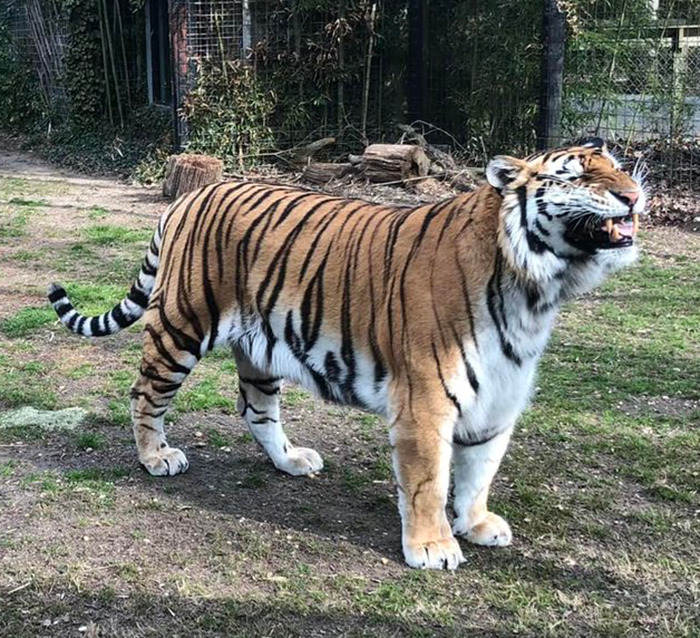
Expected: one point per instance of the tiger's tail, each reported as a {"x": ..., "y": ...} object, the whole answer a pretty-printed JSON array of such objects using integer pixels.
[{"x": 128, "y": 311}]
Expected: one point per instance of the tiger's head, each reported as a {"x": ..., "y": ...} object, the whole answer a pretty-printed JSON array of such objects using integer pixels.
[{"x": 568, "y": 209}]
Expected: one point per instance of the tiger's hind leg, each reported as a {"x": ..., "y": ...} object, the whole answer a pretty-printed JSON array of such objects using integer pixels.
[
  {"x": 259, "y": 405},
  {"x": 164, "y": 368}
]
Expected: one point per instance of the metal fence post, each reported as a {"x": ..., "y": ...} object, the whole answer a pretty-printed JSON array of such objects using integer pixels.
[{"x": 550, "y": 107}]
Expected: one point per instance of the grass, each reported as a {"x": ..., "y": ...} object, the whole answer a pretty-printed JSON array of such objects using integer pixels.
[
  {"x": 14, "y": 218},
  {"x": 601, "y": 483},
  {"x": 27, "y": 321},
  {"x": 24, "y": 383},
  {"x": 109, "y": 235},
  {"x": 90, "y": 441}
]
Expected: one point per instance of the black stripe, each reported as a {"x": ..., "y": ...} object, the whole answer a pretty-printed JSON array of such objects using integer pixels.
[
  {"x": 494, "y": 293},
  {"x": 64, "y": 309},
  {"x": 57, "y": 294},
  {"x": 450, "y": 395},
  {"x": 462, "y": 442},
  {"x": 265, "y": 419},
  {"x": 138, "y": 296}
]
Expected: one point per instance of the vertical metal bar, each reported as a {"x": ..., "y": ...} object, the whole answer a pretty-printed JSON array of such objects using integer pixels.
[
  {"x": 149, "y": 52},
  {"x": 550, "y": 108}
]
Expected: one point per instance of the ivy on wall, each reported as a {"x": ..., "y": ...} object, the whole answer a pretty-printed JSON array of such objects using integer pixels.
[{"x": 84, "y": 81}]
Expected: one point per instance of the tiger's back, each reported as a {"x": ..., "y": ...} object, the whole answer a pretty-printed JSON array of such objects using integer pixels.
[{"x": 316, "y": 289}]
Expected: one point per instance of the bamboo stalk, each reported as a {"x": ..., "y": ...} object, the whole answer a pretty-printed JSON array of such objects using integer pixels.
[
  {"x": 113, "y": 65},
  {"x": 368, "y": 70},
  {"x": 340, "y": 99},
  {"x": 118, "y": 20},
  {"x": 104, "y": 64}
]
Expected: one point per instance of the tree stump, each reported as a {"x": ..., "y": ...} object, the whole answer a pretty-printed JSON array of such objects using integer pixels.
[
  {"x": 186, "y": 172},
  {"x": 394, "y": 162},
  {"x": 323, "y": 172}
]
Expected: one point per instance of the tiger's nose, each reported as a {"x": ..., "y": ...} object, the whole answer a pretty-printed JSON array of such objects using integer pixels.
[{"x": 631, "y": 196}]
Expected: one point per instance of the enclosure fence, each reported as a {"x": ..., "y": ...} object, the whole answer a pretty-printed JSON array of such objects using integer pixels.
[{"x": 466, "y": 74}]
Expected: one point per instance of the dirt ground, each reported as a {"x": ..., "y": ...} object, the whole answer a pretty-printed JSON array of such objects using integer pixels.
[{"x": 600, "y": 485}]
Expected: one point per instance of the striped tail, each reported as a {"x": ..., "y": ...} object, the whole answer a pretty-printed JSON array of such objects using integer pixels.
[{"x": 128, "y": 311}]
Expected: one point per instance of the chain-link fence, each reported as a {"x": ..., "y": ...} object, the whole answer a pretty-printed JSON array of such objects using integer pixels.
[
  {"x": 635, "y": 79},
  {"x": 468, "y": 75}
]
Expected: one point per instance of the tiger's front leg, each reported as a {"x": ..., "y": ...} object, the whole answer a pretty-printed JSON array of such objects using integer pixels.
[
  {"x": 422, "y": 448},
  {"x": 474, "y": 469}
]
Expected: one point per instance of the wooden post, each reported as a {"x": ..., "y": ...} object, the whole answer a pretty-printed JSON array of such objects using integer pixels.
[
  {"x": 184, "y": 173},
  {"x": 680, "y": 69},
  {"x": 550, "y": 108}
]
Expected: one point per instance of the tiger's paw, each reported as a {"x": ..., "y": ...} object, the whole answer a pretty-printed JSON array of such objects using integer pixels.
[
  {"x": 301, "y": 461},
  {"x": 166, "y": 461},
  {"x": 443, "y": 553},
  {"x": 492, "y": 531}
]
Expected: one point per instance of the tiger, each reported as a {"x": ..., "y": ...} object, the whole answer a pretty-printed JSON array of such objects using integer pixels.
[{"x": 433, "y": 317}]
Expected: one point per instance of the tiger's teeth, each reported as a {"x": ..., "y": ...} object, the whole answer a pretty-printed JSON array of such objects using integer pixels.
[
  {"x": 615, "y": 233},
  {"x": 609, "y": 225},
  {"x": 635, "y": 222}
]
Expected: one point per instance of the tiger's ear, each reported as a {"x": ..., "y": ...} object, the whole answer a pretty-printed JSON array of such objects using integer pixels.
[
  {"x": 502, "y": 170},
  {"x": 594, "y": 142}
]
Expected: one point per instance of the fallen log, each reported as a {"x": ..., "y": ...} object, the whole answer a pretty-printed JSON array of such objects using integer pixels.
[
  {"x": 393, "y": 162},
  {"x": 323, "y": 172},
  {"x": 186, "y": 172}
]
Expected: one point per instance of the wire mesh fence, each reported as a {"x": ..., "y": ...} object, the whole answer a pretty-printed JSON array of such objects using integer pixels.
[{"x": 467, "y": 74}]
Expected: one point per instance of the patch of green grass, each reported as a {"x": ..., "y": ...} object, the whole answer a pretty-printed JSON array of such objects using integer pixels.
[
  {"x": 354, "y": 481},
  {"x": 93, "y": 264},
  {"x": 293, "y": 396},
  {"x": 382, "y": 469},
  {"x": 254, "y": 478},
  {"x": 14, "y": 219},
  {"x": 23, "y": 384},
  {"x": 32, "y": 203},
  {"x": 229, "y": 366},
  {"x": 18, "y": 187},
  {"x": 81, "y": 371},
  {"x": 27, "y": 321},
  {"x": 119, "y": 411},
  {"x": 25, "y": 256},
  {"x": 7, "y": 468},
  {"x": 90, "y": 440},
  {"x": 109, "y": 235},
  {"x": 205, "y": 395},
  {"x": 94, "y": 299},
  {"x": 217, "y": 439}
]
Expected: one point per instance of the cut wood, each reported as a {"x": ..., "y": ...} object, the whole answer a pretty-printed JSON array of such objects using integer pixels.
[
  {"x": 323, "y": 172},
  {"x": 186, "y": 172},
  {"x": 442, "y": 160},
  {"x": 394, "y": 162}
]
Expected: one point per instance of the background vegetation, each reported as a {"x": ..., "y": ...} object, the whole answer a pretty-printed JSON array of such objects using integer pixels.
[{"x": 468, "y": 73}]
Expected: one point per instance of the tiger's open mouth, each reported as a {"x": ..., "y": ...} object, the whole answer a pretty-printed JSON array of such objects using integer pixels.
[{"x": 612, "y": 232}]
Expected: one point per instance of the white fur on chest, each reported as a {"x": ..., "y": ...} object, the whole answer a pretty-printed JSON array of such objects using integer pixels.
[{"x": 503, "y": 392}]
